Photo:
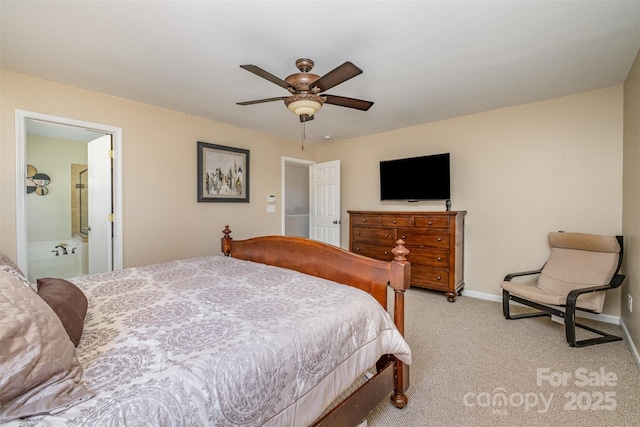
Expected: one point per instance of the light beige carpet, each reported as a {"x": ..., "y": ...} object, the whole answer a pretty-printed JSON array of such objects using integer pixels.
[{"x": 472, "y": 367}]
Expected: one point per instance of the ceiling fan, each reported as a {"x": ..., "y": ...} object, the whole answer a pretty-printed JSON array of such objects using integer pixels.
[{"x": 305, "y": 87}]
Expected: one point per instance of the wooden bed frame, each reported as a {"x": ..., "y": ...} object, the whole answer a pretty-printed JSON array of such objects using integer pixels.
[{"x": 336, "y": 264}]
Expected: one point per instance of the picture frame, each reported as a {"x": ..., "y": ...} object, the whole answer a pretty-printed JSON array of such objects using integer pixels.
[{"x": 223, "y": 173}]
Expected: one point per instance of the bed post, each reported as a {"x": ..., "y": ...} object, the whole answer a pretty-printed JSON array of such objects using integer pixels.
[
  {"x": 400, "y": 282},
  {"x": 225, "y": 241}
]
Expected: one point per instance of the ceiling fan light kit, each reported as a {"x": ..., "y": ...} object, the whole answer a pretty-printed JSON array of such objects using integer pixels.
[
  {"x": 307, "y": 104},
  {"x": 305, "y": 99}
]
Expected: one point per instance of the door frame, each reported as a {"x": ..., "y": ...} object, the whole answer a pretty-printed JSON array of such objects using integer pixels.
[{"x": 21, "y": 191}]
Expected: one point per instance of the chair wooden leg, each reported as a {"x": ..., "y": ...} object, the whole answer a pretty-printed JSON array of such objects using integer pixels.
[
  {"x": 570, "y": 325},
  {"x": 599, "y": 340},
  {"x": 569, "y": 316},
  {"x": 505, "y": 304},
  {"x": 506, "y": 307}
]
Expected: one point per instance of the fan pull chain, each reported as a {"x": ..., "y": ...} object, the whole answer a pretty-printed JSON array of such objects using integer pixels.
[{"x": 303, "y": 137}]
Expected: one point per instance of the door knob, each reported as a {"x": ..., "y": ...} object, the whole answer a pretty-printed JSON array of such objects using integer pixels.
[{"x": 337, "y": 221}]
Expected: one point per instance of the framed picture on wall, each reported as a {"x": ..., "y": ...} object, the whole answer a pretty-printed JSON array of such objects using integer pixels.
[{"x": 223, "y": 173}]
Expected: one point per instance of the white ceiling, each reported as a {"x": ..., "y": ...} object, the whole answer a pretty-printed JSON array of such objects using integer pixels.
[
  {"x": 59, "y": 131},
  {"x": 423, "y": 61}
]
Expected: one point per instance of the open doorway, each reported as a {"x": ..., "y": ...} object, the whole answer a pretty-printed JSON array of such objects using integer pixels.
[
  {"x": 63, "y": 145},
  {"x": 311, "y": 206},
  {"x": 295, "y": 190}
]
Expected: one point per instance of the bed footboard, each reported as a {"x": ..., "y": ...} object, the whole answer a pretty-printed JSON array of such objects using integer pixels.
[{"x": 370, "y": 275}]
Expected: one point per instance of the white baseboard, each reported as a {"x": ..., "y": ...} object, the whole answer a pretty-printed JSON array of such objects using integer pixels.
[
  {"x": 607, "y": 318},
  {"x": 632, "y": 346}
]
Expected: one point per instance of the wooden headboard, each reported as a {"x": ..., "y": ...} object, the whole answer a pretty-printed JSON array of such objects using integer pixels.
[{"x": 329, "y": 262}]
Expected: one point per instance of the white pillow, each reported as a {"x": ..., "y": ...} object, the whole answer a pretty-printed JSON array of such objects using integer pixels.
[{"x": 39, "y": 370}]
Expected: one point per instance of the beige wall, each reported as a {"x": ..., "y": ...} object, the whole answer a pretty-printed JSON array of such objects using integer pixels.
[
  {"x": 519, "y": 172},
  {"x": 631, "y": 210},
  {"x": 162, "y": 219}
]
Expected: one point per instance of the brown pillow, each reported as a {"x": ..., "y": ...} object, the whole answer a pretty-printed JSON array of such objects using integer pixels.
[{"x": 68, "y": 302}]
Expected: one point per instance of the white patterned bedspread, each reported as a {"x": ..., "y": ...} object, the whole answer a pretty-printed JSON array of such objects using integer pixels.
[{"x": 216, "y": 341}]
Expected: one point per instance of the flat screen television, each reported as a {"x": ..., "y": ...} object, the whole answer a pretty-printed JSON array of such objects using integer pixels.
[{"x": 416, "y": 178}]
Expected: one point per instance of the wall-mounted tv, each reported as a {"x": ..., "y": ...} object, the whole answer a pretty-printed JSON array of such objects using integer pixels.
[{"x": 416, "y": 178}]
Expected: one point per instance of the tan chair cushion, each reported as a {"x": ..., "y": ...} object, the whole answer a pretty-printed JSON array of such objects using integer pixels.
[
  {"x": 584, "y": 242},
  {"x": 532, "y": 292},
  {"x": 569, "y": 269}
]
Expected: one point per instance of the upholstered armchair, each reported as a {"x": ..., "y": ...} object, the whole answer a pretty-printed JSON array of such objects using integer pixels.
[{"x": 580, "y": 269}]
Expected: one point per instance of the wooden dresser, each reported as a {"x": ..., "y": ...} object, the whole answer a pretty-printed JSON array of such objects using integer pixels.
[{"x": 435, "y": 241}]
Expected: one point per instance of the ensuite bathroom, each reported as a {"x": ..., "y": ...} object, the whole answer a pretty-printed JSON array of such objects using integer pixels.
[{"x": 57, "y": 208}]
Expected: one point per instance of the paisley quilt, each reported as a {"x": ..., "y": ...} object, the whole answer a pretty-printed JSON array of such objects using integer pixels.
[{"x": 221, "y": 342}]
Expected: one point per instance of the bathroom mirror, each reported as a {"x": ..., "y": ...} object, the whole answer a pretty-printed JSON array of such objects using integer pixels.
[
  {"x": 41, "y": 179},
  {"x": 42, "y": 191}
]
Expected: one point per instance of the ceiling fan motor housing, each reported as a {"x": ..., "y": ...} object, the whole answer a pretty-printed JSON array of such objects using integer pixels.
[{"x": 302, "y": 81}]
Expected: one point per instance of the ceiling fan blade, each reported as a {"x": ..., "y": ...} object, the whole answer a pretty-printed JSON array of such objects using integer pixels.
[
  {"x": 260, "y": 101},
  {"x": 342, "y": 101},
  {"x": 266, "y": 75},
  {"x": 336, "y": 76}
]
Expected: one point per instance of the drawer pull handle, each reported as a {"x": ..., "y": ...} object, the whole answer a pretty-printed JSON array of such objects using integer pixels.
[
  {"x": 386, "y": 252},
  {"x": 439, "y": 258},
  {"x": 439, "y": 239},
  {"x": 364, "y": 220},
  {"x": 395, "y": 222},
  {"x": 357, "y": 249},
  {"x": 430, "y": 223},
  {"x": 404, "y": 237},
  {"x": 439, "y": 277},
  {"x": 386, "y": 236},
  {"x": 357, "y": 233}
]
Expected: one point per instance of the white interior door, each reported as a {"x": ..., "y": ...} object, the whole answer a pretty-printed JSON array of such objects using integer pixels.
[
  {"x": 100, "y": 205},
  {"x": 324, "y": 221}
]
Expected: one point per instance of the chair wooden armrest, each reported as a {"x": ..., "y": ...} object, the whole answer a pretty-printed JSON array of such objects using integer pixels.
[
  {"x": 572, "y": 297},
  {"x": 510, "y": 276}
]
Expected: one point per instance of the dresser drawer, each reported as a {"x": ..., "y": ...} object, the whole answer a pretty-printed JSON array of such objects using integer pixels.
[
  {"x": 429, "y": 257},
  {"x": 424, "y": 238},
  {"x": 375, "y": 235},
  {"x": 431, "y": 222},
  {"x": 373, "y": 251},
  {"x": 365, "y": 220},
  {"x": 431, "y": 278},
  {"x": 395, "y": 221}
]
